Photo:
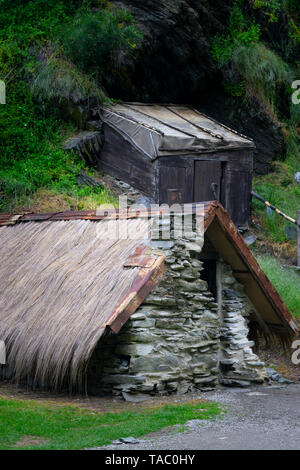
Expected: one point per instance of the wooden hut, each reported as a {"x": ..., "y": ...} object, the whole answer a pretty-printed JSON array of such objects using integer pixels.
[{"x": 175, "y": 154}]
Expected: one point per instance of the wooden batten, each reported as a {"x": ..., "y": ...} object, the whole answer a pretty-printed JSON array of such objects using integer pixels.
[{"x": 146, "y": 280}]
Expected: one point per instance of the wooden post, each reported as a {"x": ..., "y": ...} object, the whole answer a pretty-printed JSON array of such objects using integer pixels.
[{"x": 298, "y": 260}]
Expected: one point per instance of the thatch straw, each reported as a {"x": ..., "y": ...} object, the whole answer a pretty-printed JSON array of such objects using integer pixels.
[{"x": 60, "y": 282}]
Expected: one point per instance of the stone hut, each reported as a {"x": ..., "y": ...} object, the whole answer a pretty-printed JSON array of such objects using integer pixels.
[{"x": 133, "y": 303}]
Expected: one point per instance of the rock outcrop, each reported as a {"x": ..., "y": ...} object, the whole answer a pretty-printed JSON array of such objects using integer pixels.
[{"x": 174, "y": 64}]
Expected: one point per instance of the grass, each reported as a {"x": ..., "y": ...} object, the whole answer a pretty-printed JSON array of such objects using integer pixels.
[
  {"x": 280, "y": 189},
  {"x": 51, "y": 200},
  {"x": 59, "y": 81},
  {"x": 31, "y": 425},
  {"x": 39, "y": 166},
  {"x": 32, "y": 158},
  {"x": 32, "y": 162},
  {"x": 285, "y": 281}
]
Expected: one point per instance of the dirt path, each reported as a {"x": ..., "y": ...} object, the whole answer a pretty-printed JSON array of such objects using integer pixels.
[{"x": 262, "y": 418}]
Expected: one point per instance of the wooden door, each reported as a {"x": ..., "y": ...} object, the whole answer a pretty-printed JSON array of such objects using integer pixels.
[
  {"x": 237, "y": 194},
  {"x": 207, "y": 184},
  {"x": 174, "y": 185}
]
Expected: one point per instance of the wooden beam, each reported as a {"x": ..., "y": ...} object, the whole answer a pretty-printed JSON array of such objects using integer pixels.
[{"x": 145, "y": 281}]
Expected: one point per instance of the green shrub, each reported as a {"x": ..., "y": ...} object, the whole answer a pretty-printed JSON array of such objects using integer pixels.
[
  {"x": 61, "y": 81},
  {"x": 31, "y": 154},
  {"x": 249, "y": 67},
  {"x": 270, "y": 8},
  {"x": 263, "y": 70},
  {"x": 26, "y": 25},
  {"x": 295, "y": 115},
  {"x": 240, "y": 32},
  {"x": 31, "y": 158},
  {"x": 293, "y": 150},
  {"x": 94, "y": 41}
]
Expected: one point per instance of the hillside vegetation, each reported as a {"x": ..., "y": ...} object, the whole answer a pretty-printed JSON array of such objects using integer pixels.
[
  {"x": 61, "y": 58},
  {"x": 42, "y": 68}
]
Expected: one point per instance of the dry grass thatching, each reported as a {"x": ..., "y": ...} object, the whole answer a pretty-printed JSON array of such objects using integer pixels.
[{"x": 60, "y": 282}]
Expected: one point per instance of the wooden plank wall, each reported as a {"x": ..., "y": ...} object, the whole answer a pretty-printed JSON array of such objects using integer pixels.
[{"x": 122, "y": 160}]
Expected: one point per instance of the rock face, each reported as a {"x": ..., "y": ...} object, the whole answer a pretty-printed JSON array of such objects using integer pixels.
[
  {"x": 87, "y": 144},
  {"x": 253, "y": 121},
  {"x": 174, "y": 64}
]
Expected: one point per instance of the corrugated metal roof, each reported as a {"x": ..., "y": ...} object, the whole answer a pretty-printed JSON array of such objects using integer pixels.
[{"x": 160, "y": 130}]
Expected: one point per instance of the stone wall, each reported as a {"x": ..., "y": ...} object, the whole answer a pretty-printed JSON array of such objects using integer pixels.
[
  {"x": 180, "y": 339},
  {"x": 238, "y": 364},
  {"x": 171, "y": 343}
]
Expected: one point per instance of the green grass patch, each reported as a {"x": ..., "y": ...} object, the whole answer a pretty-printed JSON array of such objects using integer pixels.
[
  {"x": 69, "y": 427},
  {"x": 281, "y": 190},
  {"x": 32, "y": 157},
  {"x": 285, "y": 281},
  {"x": 59, "y": 81}
]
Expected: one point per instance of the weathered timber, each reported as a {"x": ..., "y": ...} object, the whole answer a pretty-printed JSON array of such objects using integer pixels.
[{"x": 175, "y": 155}]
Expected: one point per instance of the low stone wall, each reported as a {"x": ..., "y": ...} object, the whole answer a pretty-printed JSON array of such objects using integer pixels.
[{"x": 238, "y": 364}]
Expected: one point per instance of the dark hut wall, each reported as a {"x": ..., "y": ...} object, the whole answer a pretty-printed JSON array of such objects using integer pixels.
[
  {"x": 189, "y": 178},
  {"x": 122, "y": 160}
]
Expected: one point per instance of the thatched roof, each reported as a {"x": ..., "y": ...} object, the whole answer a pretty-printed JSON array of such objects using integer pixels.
[
  {"x": 66, "y": 279},
  {"x": 61, "y": 284}
]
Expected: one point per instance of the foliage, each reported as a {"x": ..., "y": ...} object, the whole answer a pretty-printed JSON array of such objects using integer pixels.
[
  {"x": 294, "y": 115},
  {"x": 285, "y": 281},
  {"x": 235, "y": 89},
  {"x": 262, "y": 69},
  {"x": 281, "y": 190},
  {"x": 69, "y": 427},
  {"x": 291, "y": 9},
  {"x": 30, "y": 139},
  {"x": 24, "y": 25},
  {"x": 270, "y": 8},
  {"x": 240, "y": 32},
  {"x": 60, "y": 81},
  {"x": 31, "y": 154},
  {"x": 249, "y": 67},
  {"x": 95, "y": 41}
]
